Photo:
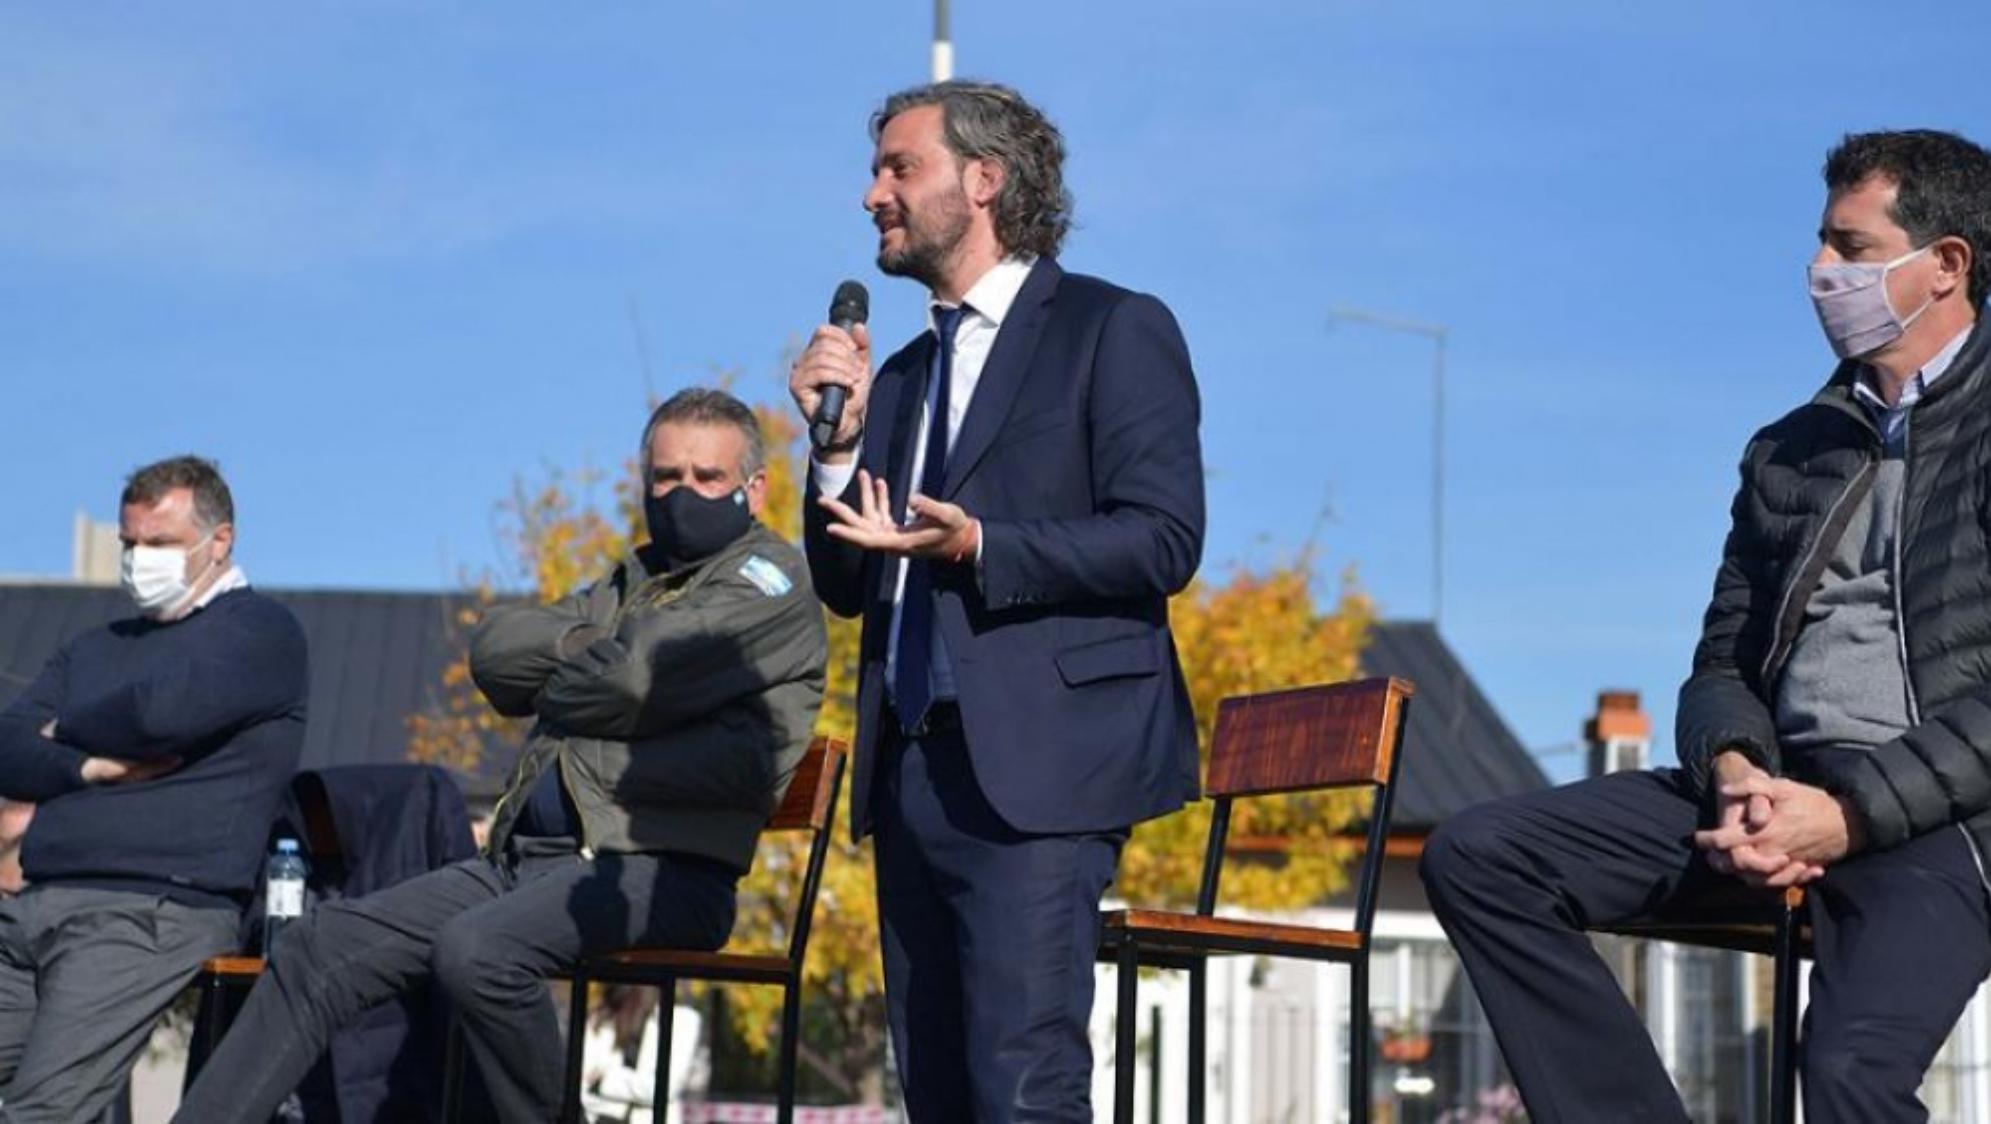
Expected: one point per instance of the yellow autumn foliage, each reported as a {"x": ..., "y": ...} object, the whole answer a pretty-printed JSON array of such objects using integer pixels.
[{"x": 1256, "y": 630}]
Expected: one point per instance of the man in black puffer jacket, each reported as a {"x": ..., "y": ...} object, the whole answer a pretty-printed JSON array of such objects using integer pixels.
[{"x": 1836, "y": 730}]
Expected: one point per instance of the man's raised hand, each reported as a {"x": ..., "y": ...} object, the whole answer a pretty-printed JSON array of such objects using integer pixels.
[{"x": 941, "y": 531}]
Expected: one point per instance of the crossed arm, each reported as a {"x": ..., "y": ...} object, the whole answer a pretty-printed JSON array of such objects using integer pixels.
[
  {"x": 652, "y": 670},
  {"x": 40, "y": 757}
]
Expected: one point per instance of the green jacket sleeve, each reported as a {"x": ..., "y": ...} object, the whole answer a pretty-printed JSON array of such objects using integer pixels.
[
  {"x": 515, "y": 648},
  {"x": 666, "y": 665}
]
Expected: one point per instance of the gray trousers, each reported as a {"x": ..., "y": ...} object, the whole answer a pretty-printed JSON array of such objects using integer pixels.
[
  {"x": 489, "y": 933},
  {"x": 84, "y": 976}
]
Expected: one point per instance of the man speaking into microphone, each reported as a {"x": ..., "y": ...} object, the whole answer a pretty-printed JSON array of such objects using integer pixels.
[{"x": 1009, "y": 502}]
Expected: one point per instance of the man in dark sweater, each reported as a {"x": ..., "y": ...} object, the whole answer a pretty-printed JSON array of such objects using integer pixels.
[
  {"x": 156, "y": 749},
  {"x": 673, "y": 699},
  {"x": 1836, "y": 730}
]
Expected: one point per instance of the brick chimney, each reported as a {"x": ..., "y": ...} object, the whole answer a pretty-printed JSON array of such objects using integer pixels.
[{"x": 1619, "y": 734}]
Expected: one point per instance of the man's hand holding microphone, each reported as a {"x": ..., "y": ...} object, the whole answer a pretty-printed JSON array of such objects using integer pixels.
[
  {"x": 831, "y": 384},
  {"x": 831, "y": 381}
]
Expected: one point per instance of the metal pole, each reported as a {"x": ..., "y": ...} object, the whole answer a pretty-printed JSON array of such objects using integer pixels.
[
  {"x": 1128, "y": 978},
  {"x": 943, "y": 43},
  {"x": 1438, "y": 477},
  {"x": 1438, "y": 334}
]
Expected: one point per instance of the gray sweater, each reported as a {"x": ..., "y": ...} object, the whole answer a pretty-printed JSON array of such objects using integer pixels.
[
  {"x": 1846, "y": 683},
  {"x": 1845, "y": 686}
]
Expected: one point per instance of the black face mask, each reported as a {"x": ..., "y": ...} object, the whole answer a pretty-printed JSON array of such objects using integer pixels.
[{"x": 686, "y": 527}]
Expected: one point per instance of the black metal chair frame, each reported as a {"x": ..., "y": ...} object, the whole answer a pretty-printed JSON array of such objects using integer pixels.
[
  {"x": 669, "y": 966},
  {"x": 1131, "y": 949},
  {"x": 223, "y": 983},
  {"x": 1782, "y": 941}
]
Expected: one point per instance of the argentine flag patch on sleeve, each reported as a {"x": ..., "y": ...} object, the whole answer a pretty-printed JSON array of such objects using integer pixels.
[{"x": 765, "y": 575}]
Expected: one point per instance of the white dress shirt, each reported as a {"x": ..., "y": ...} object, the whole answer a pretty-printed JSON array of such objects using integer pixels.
[
  {"x": 988, "y": 302},
  {"x": 231, "y": 579}
]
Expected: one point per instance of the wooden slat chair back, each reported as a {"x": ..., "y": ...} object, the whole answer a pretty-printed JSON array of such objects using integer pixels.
[
  {"x": 811, "y": 792},
  {"x": 1336, "y": 736},
  {"x": 1310, "y": 738},
  {"x": 808, "y": 806}
]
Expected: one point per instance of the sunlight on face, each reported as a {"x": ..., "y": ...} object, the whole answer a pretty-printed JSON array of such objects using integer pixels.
[{"x": 705, "y": 458}]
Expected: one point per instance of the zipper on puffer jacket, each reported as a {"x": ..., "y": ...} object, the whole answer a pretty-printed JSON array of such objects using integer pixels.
[
  {"x": 1901, "y": 624},
  {"x": 1816, "y": 557},
  {"x": 1895, "y": 551}
]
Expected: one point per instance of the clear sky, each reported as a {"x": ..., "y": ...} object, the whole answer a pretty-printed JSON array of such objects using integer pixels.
[{"x": 384, "y": 259}]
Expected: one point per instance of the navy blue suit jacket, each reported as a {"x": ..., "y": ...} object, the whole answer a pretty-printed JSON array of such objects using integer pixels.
[{"x": 1079, "y": 454}]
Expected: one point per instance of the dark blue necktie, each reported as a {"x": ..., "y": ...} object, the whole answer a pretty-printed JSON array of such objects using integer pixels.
[{"x": 912, "y": 680}]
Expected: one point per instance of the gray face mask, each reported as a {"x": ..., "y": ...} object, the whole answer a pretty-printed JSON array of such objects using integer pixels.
[{"x": 1851, "y": 298}]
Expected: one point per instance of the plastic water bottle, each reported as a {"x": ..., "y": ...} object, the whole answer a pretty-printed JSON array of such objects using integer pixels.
[{"x": 283, "y": 895}]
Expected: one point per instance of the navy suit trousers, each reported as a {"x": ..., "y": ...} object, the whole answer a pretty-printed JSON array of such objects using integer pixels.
[
  {"x": 1902, "y": 939},
  {"x": 989, "y": 940}
]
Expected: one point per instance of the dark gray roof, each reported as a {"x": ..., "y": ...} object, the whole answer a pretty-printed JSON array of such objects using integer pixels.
[
  {"x": 1458, "y": 752},
  {"x": 376, "y": 659}
]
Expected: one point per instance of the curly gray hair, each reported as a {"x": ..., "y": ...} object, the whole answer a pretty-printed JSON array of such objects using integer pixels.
[{"x": 984, "y": 120}]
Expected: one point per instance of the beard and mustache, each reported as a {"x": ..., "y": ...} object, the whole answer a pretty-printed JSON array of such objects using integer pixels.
[{"x": 931, "y": 237}]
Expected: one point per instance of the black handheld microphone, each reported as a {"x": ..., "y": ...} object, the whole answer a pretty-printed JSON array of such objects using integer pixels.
[{"x": 850, "y": 307}]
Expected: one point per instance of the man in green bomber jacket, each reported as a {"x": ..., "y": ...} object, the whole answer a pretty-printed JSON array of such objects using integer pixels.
[{"x": 673, "y": 699}]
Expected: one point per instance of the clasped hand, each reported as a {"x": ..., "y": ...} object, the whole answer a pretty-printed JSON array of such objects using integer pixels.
[{"x": 1774, "y": 832}]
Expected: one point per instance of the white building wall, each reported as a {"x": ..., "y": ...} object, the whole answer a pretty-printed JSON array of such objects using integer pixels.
[{"x": 1278, "y": 1031}]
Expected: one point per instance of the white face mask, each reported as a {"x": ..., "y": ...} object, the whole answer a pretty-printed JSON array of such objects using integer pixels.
[
  {"x": 1851, "y": 298},
  {"x": 156, "y": 579}
]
